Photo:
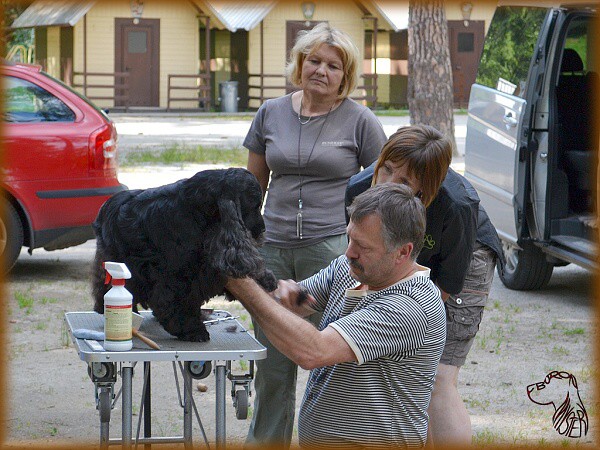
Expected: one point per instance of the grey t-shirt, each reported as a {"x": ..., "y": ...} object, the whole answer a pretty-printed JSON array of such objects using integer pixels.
[{"x": 351, "y": 137}]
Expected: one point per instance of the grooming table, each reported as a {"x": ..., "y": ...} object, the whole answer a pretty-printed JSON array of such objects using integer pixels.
[{"x": 229, "y": 341}]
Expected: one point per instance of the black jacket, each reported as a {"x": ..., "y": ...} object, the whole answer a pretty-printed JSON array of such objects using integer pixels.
[{"x": 455, "y": 221}]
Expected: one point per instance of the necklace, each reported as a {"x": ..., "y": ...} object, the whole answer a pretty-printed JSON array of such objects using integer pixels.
[
  {"x": 299, "y": 233},
  {"x": 309, "y": 117},
  {"x": 300, "y": 113}
]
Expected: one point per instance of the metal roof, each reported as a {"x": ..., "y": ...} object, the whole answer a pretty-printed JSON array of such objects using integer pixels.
[
  {"x": 45, "y": 13},
  {"x": 243, "y": 15},
  {"x": 234, "y": 15},
  {"x": 395, "y": 13}
]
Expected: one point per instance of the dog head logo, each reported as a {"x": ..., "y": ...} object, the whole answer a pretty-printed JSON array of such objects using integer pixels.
[{"x": 559, "y": 389}]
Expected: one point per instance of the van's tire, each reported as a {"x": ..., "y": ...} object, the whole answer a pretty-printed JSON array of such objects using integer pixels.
[
  {"x": 11, "y": 236},
  {"x": 526, "y": 269}
]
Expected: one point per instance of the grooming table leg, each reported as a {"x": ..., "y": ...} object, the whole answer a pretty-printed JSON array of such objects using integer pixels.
[
  {"x": 104, "y": 406},
  {"x": 126, "y": 376},
  {"x": 148, "y": 404},
  {"x": 220, "y": 406},
  {"x": 187, "y": 409}
]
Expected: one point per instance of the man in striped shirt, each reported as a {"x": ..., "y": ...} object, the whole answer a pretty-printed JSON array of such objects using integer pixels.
[{"x": 373, "y": 357}]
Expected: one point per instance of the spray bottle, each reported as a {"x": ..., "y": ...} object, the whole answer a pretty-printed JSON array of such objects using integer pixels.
[{"x": 117, "y": 309}]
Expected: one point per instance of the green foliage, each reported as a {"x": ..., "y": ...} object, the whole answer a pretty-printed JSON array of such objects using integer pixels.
[
  {"x": 485, "y": 438},
  {"x": 391, "y": 112},
  {"x": 577, "y": 39},
  {"x": 11, "y": 9},
  {"x": 509, "y": 45},
  {"x": 25, "y": 301},
  {"x": 20, "y": 99},
  {"x": 574, "y": 331},
  {"x": 179, "y": 154}
]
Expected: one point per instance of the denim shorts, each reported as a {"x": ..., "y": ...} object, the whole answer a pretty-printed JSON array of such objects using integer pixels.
[{"x": 465, "y": 310}]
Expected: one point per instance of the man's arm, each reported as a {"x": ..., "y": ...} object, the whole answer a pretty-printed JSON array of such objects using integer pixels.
[{"x": 293, "y": 336}]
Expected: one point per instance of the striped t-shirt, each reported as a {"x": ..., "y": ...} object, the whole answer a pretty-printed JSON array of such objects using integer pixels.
[{"x": 397, "y": 335}]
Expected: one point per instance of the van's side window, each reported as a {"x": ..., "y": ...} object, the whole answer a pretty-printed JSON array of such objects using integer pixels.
[
  {"x": 508, "y": 47},
  {"x": 578, "y": 38}
]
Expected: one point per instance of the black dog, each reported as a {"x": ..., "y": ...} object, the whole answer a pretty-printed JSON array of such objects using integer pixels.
[{"x": 181, "y": 242}]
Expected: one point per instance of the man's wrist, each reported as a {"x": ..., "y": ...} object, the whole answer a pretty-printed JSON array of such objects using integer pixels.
[{"x": 239, "y": 286}]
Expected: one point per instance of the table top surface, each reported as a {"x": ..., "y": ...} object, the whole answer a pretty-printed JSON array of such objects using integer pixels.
[{"x": 229, "y": 341}]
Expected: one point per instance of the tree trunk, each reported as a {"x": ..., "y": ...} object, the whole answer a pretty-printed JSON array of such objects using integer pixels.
[{"x": 430, "y": 91}]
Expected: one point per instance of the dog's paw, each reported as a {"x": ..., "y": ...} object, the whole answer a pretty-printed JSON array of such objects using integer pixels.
[
  {"x": 267, "y": 281},
  {"x": 199, "y": 335}
]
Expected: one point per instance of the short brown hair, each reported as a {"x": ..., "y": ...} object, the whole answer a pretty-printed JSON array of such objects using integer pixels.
[
  {"x": 402, "y": 215},
  {"x": 427, "y": 152},
  {"x": 310, "y": 40}
]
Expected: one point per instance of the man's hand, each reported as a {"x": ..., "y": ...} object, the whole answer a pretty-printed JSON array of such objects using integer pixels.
[
  {"x": 289, "y": 294},
  {"x": 284, "y": 326},
  {"x": 295, "y": 298}
]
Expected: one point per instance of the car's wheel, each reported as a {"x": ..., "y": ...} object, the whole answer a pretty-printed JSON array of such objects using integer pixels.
[
  {"x": 526, "y": 268},
  {"x": 11, "y": 235}
]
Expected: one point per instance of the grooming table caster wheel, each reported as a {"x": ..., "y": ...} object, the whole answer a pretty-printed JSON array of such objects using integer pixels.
[
  {"x": 240, "y": 403},
  {"x": 198, "y": 369},
  {"x": 102, "y": 372},
  {"x": 104, "y": 405}
]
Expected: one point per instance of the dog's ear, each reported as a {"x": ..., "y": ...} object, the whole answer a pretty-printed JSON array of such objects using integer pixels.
[
  {"x": 232, "y": 249},
  {"x": 230, "y": 213}
]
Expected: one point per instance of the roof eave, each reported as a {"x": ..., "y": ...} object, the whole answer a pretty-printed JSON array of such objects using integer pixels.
[
  {"x": 377, "y": 11},
  {"x": 30, "y": 17}
]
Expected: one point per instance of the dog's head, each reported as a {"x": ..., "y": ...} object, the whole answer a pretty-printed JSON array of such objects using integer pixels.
[
  {"x": 231, "y": 197},
  {"x": 552, "y": 389},
  {"x": 230, "y": 201}
]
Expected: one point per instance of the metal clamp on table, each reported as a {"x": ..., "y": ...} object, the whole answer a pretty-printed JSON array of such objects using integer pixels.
[{"x": 229, "y": 341}]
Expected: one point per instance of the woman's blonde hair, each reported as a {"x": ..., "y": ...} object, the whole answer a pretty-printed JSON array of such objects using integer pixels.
[
  {"x": 309, "y": 41},
  {"x": 427, "y": 152}
]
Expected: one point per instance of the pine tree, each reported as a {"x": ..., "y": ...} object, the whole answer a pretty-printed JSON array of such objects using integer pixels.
[{"x": 430, "y": 90}]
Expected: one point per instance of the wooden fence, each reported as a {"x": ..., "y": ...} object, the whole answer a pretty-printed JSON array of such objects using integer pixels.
[
  {"x": 117, "y": 82},
  {"x": 280, "y": 86},
  {"x": 199, "y": 92}
]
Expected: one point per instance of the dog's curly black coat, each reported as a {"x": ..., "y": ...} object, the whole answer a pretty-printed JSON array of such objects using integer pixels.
[{"x": 181, "y": 242}]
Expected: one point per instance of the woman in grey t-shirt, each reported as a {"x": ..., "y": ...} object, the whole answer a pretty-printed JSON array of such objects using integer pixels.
[{"x": 308, "y": 143}]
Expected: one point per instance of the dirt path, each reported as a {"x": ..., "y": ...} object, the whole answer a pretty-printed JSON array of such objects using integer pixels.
[{"x": 523, "y": 337}]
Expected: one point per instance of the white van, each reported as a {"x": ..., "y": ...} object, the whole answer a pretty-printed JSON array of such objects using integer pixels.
[{"x": 532, "y": 141}]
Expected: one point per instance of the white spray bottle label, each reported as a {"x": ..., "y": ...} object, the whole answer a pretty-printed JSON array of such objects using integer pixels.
[{"x": 117, "y": 309}]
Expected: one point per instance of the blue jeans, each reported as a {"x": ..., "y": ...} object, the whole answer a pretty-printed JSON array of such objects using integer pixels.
[{"x": 275, "y": 381}]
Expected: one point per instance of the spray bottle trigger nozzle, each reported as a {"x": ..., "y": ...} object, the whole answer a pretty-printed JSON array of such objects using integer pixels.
[{"x": 107, "y": 278}]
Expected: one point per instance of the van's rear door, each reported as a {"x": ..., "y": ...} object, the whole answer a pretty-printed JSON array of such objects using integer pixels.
[{"x": 498, "y": 124}]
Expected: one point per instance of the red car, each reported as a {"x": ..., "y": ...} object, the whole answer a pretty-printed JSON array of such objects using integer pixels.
[{"x": 59, "y": 163}]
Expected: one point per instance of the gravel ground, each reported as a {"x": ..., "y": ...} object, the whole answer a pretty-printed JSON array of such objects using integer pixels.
[
  {"x": 523, "y": 337},
  {"x": 50, "y": 398}
]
